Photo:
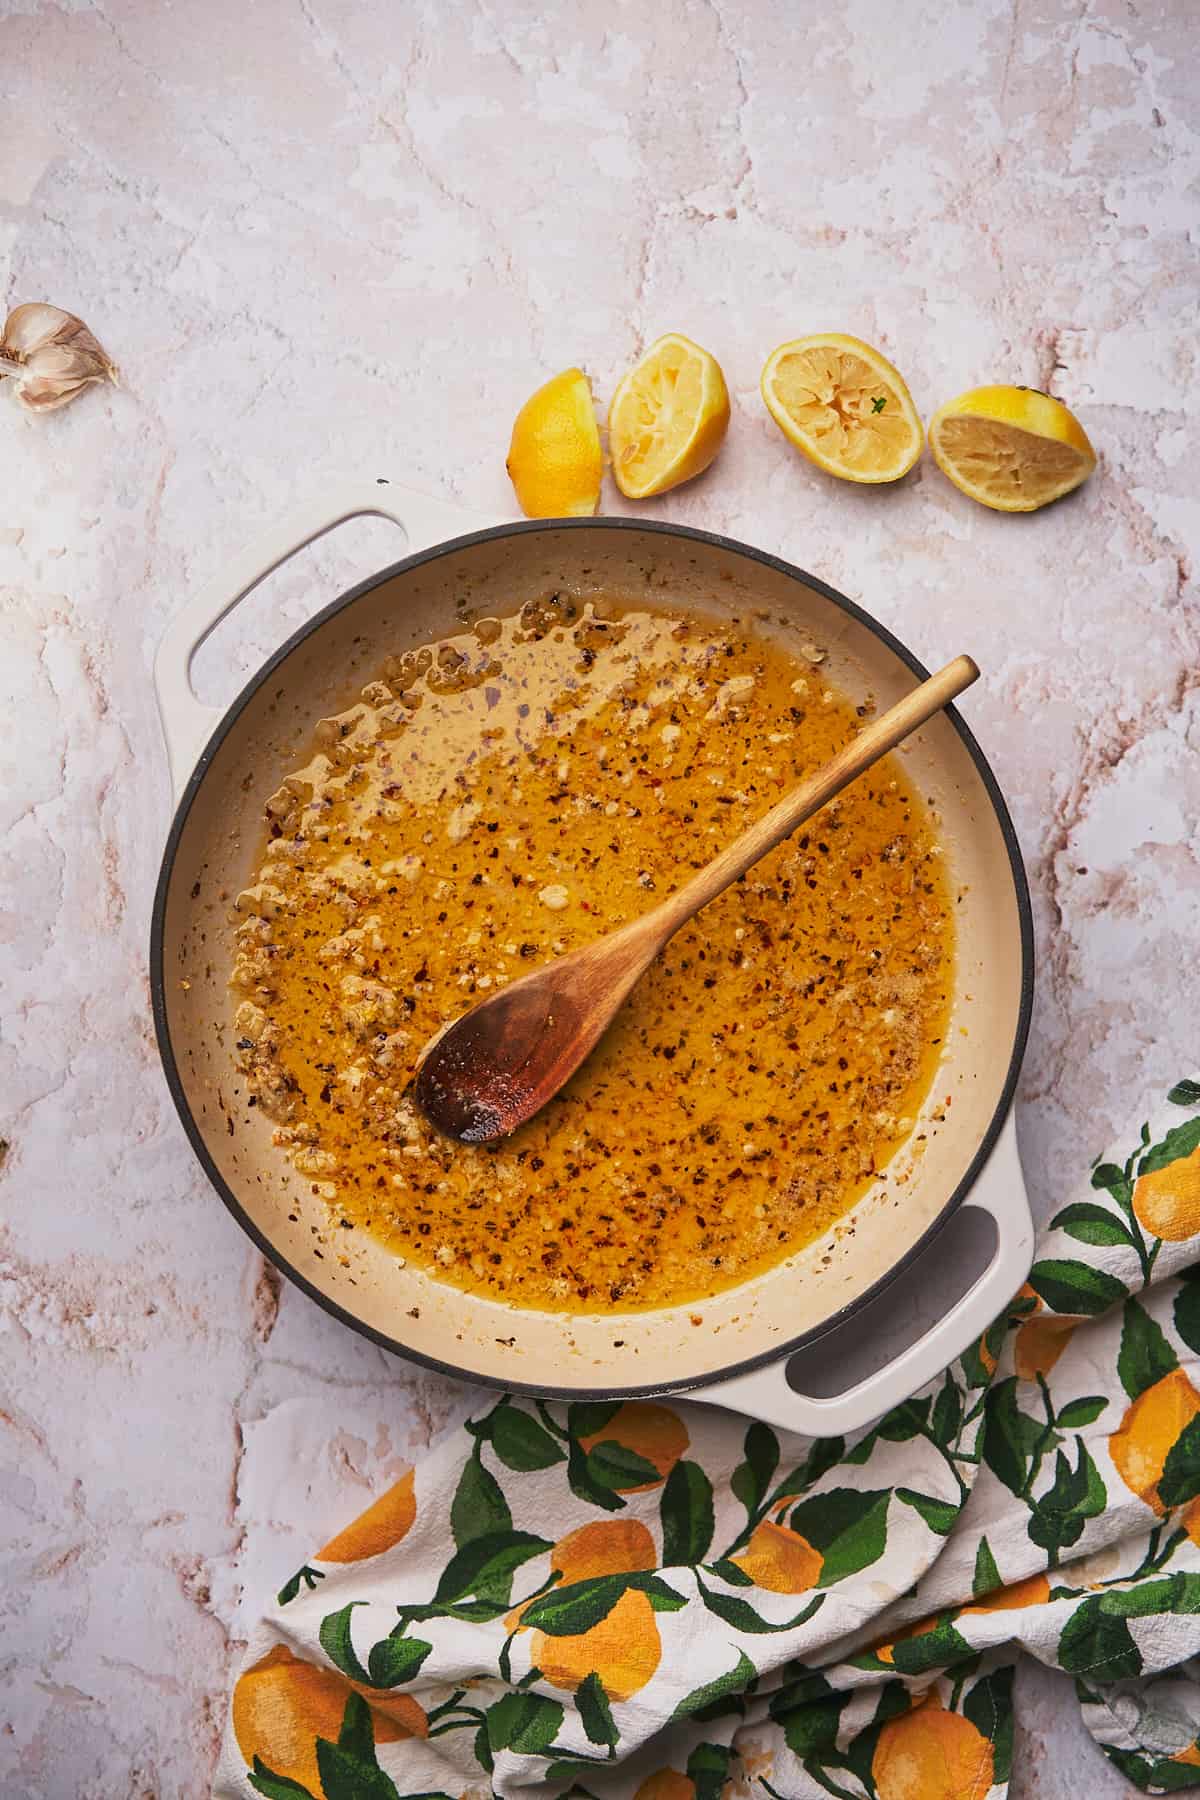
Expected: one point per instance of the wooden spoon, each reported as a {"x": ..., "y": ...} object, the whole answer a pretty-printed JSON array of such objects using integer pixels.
[{"x": 499, "y": 1064}]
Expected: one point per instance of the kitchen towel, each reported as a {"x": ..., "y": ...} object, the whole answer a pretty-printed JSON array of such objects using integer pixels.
[{"x": 673, "y": 1603}]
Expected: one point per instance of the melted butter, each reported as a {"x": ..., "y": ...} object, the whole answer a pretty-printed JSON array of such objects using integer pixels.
[{"x": 505, "y": 796}]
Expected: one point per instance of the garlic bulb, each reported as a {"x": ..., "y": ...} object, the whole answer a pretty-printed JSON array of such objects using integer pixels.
[{"x": 51, "y": 356}]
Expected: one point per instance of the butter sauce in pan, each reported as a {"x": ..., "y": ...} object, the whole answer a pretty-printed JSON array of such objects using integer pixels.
[{"x": 506, "y": 795}]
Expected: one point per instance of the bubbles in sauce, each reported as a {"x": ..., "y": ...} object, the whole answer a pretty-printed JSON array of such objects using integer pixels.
[{"x": 508, "y": 794}]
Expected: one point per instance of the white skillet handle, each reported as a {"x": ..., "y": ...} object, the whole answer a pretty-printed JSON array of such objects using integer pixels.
[
  {"x": 188, "y": 725},
  {"x": 765, "y": 1394}
]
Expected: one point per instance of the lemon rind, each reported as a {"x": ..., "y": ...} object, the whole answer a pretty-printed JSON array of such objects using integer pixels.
[{"x": 586, "y": 505}]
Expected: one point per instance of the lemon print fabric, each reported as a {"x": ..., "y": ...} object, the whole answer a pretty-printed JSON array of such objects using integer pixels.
[
  {"x": 779, "y": 1559},
  {"x": 1166, "y": 1202},
  {"x": 928, "y": 1753},
  {"x": 284, "y": 1709},
  {"x": 622, "y": 1650},
  {"x": 666, "y": 1784},
  {"x": 648, "y": 1599},
  {"x": 376, "y": 1530},
  {"x": 1149, "y": 1433},
  {"x": 639, "y": 1446}
]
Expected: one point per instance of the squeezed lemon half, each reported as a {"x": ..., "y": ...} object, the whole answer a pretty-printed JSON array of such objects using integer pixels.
[
  {"x": 843, "y": 406},
  {"x": 554, "y": 459},
  {"x": 668, "y": 417},
  {"x": 1010, "y": 448}
]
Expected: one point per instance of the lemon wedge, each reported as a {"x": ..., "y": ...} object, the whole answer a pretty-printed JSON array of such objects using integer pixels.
[
  {"x": 554, "y": 460},
  {"x": 668, "y": 417},
  {"x": 844, "y": 406},
  {"x": 1010, "y": 448}
]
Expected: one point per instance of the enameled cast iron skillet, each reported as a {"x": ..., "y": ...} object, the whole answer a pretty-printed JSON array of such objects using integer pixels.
[{"x": 225, "y": 765}]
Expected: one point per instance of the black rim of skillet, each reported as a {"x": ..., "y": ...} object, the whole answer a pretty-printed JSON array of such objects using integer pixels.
[{"x": 196, "y": 1137}]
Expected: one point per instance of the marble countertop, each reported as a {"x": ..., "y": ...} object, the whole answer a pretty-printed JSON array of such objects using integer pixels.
[{"x": 331, "y": 238}]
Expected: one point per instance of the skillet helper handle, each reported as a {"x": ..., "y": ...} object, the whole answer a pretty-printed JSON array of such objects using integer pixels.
[
  {"x": 188, "y": 724},
  {"x": 765, "y": 1393}
]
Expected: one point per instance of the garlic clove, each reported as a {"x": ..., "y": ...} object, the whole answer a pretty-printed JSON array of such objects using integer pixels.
[
  {"x": 30, "y": 326},
  {"x": 51, "y": 355},
  {"x": 42, "y": 393}
]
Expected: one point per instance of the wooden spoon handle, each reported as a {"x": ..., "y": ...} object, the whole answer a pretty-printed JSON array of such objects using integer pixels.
[{"x": 882, "y": 735}]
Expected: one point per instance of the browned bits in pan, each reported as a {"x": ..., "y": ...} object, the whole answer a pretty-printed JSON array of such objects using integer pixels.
[{"x": 504, "y": 795}]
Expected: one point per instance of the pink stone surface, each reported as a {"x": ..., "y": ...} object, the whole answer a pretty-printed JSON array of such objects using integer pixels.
[{"x": 334, "y": 238}]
